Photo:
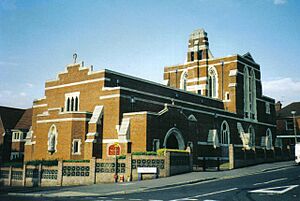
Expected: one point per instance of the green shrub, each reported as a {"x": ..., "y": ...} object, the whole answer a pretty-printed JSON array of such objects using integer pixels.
[
  {"x": 148, "y": 153},
  {"x": 161, "y": 152},
  {"x": 76, "y": 161},
  {"x": 12, "y": 163},
  {"x": 121, "y": 157}
]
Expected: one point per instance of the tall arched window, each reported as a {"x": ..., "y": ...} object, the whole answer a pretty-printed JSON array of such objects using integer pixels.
[
  {"x": 225, "y": 134},
  {"x": 52, "y": 139},
  {"x": 252, "y": 94},
  {"x": 251, "y": 132},
  {"x": 183, "y": 81},
  {"x": 76, "y": 104},
  {"x": 68, "y": 104},
  {"x": 212, "y": 82},
  {"x": 249, "y": 94},
  {"x": 72, "y": 104},
  {"x": 246, "y": 93},
  {"x": 269, "y": 139}
]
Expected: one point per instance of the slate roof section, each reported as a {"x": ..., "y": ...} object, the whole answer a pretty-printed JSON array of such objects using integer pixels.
[
  {"x": 10, "y": 116},
  {"x": 286, "y": 111},
  {"x": 25, "y": 121}
]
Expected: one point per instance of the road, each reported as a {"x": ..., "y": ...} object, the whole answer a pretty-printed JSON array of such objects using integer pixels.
[{"x": 279, "y": 184}]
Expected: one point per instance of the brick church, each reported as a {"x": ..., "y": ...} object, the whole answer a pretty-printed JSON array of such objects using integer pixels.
[{"x": 206, "y": 101}]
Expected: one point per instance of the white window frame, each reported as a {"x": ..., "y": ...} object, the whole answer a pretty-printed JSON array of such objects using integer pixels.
[
  {"x": 52, "y": 131},
  {"x": 17, "y": 136},
  {"x": 14, "y": 155},
  {"x": 227, "y": 94},
  {"x": 213, "y": 76},
  {"x": 183, "y": 80},
  {"x": 78, "y": 148},
  {"x": 69, "y": 96},
  {"x": 225, "y": 134}
]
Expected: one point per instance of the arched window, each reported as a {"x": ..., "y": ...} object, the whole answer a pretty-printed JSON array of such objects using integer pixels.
[
  {"x": 225, "y": 134},
  {"x": 251, "y": 132},
  {"x": 52, "y": 139},
  {"x": 183, "y": 81},
  {"x": 68, "y": 104},
  {"x": 252, "y": 95},
  {"x": 212, "y": 82},
  {"x": 246, "y": 93},
  {"x": 76, "y": 104},
  {"x": 269, "y": 139},
  {"x": 72, "y": 104}
]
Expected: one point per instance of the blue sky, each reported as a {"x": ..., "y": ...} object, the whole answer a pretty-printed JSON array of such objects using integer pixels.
[{"x": 38, "y": 38}]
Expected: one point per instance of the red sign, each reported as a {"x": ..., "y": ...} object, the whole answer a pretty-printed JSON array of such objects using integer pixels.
[{"x": 113, "y": 149}]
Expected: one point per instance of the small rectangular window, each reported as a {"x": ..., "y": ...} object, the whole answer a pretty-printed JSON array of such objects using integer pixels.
[
  {"x": 76, "y": 146},
  {"x": 192, "y": 56}
]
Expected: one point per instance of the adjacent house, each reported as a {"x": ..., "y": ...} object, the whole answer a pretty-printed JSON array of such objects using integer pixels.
[
  {"x": 288, "y": 123},
  {"x": 14, "y": 125}
]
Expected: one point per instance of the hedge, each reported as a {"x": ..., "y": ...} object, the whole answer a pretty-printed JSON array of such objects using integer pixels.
[{"x": 147, "y": 153}]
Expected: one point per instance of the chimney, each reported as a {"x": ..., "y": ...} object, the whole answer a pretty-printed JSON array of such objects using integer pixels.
[{"x": 278, "y": 106}]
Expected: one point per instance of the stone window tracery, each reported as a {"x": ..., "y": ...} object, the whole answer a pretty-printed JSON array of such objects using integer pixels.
[{"x": 212, "y": 82}]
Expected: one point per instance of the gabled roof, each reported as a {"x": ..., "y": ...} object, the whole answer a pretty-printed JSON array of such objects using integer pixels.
[
  {"x": 25, "y": 120},
  {"x": 10, "y": 116},
  {"x": 248, "y": 56},
  {"x": 286, "y": 111}
]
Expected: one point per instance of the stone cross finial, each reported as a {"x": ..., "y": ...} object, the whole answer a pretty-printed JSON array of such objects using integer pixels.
[{"x": 74, "y": 57}]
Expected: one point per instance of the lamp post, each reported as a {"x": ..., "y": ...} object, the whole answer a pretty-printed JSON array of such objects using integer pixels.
[{"x": 295, "y": 128}]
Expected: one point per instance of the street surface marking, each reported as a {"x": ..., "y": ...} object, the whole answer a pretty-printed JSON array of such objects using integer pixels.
[
  {"x": 118, "y": 198},
  {"x": 126, "y": 184},
  {"x": 207, "y": 194},
  {"x": 155, "y": 200},
  {"x": 135, "y": 199},
  {"x": 101, "y": 197},
  {"x": 271, "y": 181},
  {"x": 279, "y": 169},
  {"x": 210, "y": 200},
  {"x": 275, "y": 190}
]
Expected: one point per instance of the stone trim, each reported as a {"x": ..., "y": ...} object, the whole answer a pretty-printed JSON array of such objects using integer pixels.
[
  {"x": 62, "y": 119},
  {"x": 78, "y": 83}
]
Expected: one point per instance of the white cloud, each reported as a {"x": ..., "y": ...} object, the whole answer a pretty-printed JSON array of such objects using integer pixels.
[
  {"x": 14, "y": 99},
  {"x": 285, "y": 90},
  {"x": 29, "y": 85},
  {"x": 279, "y": 2},
  {"x": 22, "y": 94}
]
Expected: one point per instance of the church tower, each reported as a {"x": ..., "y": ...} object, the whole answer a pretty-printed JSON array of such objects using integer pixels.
[{"x": 198, "y": 48}]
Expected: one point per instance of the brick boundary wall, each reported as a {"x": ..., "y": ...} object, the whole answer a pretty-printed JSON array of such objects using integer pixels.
[{"x": 96, "y": 171}]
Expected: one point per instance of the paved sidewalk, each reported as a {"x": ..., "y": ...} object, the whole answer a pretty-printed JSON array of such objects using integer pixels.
[{"x": 138, "y": 186}]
